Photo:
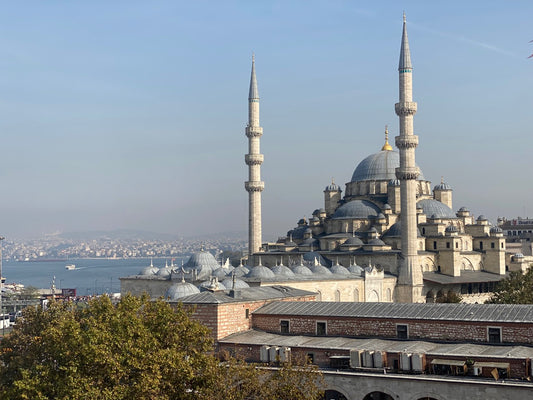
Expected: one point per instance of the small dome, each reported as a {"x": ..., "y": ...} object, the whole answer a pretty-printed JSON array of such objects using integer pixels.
[
  {"x": 164, "y": 272},
  {"x": 442, "y": 186},
  {"x": 396, "y": 231},
  {"x": 290, "y": 243},
  {"x": 333, "y": 187},
  {"x": 308, "y": 230},
  {"x": 209, "y": 284},
  {"x": 463, "y": 209},
  {"x": 387, "y": 206},
  {"x": 320, "y": 270},
  {"x": 282, "y": 270},
  {"x": 393, "y": 183},
  {"x": 361, "y": 209},
  {"x": 353, "y": 241},
  {"x": 241, "y": 270},
  {"x": 451, "y": 228},
  {"x": 373, "y": 230},
  {"x": 316, "y": 212},
  {"x": 380, "y": 216},
  {"x": 377, "y": 242},
  {"x": 496, "y": 229},
  {"x": 321, "y": 211},
  {"x": 261, "y": 272},
  {"x": 239, "y": 284},
  {"x": 181, "y": 289},
  {"x": 339, "y": 270},
  {"x": 201, "y": 259},
  {"x": 301, "y": 270},
  {"x": 356, "y": 269},
  {"x": 314, "y": 219},
  {"x": 518, "y": 255},
  {"x": 482, "y": 218},
  {"x": 221, "y": 272},
  {"x": 435, "y": 207},
  {"x": 150, "y": 270}
]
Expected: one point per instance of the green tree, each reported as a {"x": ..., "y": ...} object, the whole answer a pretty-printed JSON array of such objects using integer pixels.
[
  {"x": 517, "y": 288},
  {"x": 449, "y": 297},
  {"x": 136, "y": 349}
]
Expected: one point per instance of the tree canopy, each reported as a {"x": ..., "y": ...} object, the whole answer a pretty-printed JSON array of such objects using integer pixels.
[
  {"x": 136, "y": 349},
  {"x": 517, "y": 288}
]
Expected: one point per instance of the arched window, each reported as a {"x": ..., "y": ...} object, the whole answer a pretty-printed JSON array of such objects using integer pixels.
[{"x": 337, "y": 295}]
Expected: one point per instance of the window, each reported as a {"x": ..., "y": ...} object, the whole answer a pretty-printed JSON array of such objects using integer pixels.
[
  {"x": 495, "y": 335},
  {"x": 456, "y": 245},
  {"x": 401, "y": 332},
  {"x": 434, "y": 245},
  {"x": 321, "y": 329},
  {"x": 247, "y": 313},
  {"x": 447, "y": 245},
  {"x": 284, "y": 326},
  {"x": 423, "y": 231},
  {"x": 492, "y": 245},
  {"x": 311, "y": 357},
  {"x": 480, "y": 245}
]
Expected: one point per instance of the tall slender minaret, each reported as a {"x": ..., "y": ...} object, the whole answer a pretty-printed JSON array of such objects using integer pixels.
[
  {"x": 410, "y": 280},
  {"x": 254, "y": 186}
]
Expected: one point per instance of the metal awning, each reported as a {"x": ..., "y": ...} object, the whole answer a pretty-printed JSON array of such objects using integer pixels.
[
  {"x": 489, "y": 364},
  {"x": 439, "y": 361}
]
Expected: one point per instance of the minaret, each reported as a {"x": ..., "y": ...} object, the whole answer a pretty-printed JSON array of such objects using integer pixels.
[
  {"x": 410, "y": 280},
  {"x": 254, "y": 186}
]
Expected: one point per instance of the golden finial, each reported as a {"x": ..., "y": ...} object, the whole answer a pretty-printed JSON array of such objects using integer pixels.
[{"x": 386, "y": 146}]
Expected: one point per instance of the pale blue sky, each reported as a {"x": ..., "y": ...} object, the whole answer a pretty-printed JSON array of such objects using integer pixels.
[{"x": 131, "y": 114}]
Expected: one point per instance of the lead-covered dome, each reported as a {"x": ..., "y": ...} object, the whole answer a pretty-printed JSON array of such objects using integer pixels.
[
  {"x": 379, "y": 167},
  {"x": 181, "y": 289},
  {"x": 436, "y": 209},
  {"x": 357, "y": 209},
  {"x": 202, "y": 260}
]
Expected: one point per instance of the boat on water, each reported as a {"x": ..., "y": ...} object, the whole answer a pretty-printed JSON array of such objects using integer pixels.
[{"x": 70, "y": 266}]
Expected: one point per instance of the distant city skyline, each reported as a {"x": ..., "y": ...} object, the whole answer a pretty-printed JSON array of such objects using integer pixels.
[{"x": 131, "y": 114}]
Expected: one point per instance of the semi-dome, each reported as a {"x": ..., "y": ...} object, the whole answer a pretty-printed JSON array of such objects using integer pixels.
[
  {"x": 201, "y": 259},
  {"x": 451, "y": 229},
  {"x": 436, "y": 209},
  {"x": 239, "y": 284},
  {"x": 379, "y": 167},
  {"x": 181, "y": 289},
  {"x": 376, "y": 242},
  {"x": 356, "y": 209}
]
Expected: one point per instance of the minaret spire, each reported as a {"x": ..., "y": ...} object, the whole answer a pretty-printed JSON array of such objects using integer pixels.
[
  {"x": 410, "y": 280},
  {"x": 254, "y": 185}
]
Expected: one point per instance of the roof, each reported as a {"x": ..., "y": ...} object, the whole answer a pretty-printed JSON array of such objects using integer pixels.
[
  {"x": 434, "y": 208},
  {"x": 465, "y": 277},
  {"x": 253, "y": 93},
  {"x": 520, "y": 313},
  {"x": 356, "y": 209},
  {"x": 247, "y": 294},
  {"x": 405, "y": 54},
  {"x": 259, "y": 338}
]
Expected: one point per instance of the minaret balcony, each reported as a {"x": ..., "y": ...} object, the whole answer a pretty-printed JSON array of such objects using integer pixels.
[
  {"x": 254, "y": 186},
  {"x": 405, "y": 108},
  {"x": 254, "y": 131},
  {"x": 254, "y": 159},
  {"x": 406, "y": 142},
  {"x": 407, "y": 173}
]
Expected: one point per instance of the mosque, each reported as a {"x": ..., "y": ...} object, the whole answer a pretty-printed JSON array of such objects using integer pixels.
[{"x": 390, "y": 238}]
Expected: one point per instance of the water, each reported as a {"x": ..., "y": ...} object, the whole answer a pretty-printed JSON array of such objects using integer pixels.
[{"x": 91, "y": 276}]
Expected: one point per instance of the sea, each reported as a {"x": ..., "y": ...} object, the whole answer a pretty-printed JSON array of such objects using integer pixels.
[{"x": 91, "y": 276}]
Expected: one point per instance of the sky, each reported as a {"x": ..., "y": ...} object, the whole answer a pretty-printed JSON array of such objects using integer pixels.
[{"x": 129, "y": 114}]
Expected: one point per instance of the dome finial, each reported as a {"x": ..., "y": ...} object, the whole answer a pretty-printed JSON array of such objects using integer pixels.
[
  {"x": 404, "y": 19},
  {"x": 441, "y": 179},
  {"x": 386, "y": 146}
]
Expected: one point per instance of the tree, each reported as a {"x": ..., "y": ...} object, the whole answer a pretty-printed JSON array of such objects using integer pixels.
[
  {"x": 449, "y": 297},
  {"x": 517, "y": 288},
  {"x": 136, "y": 349}
]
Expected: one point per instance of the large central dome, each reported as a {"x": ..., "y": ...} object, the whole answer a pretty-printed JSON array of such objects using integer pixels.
[{"x": 379, "y": 167}]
